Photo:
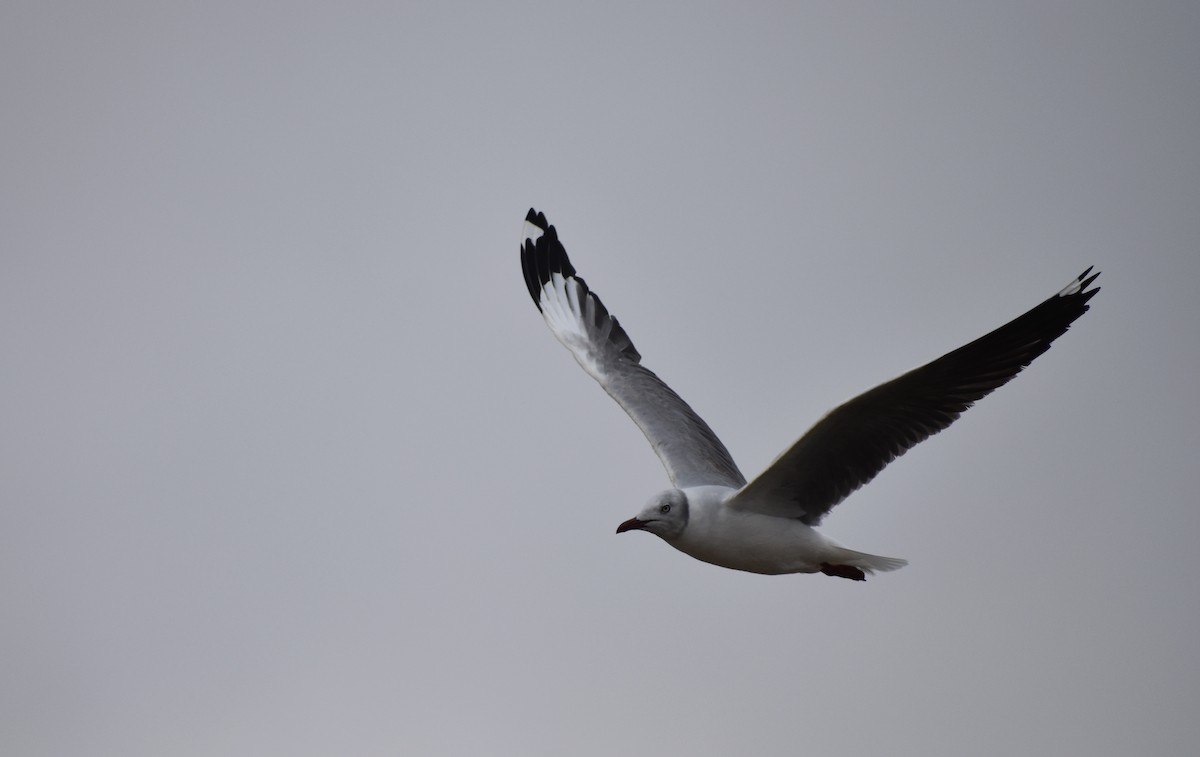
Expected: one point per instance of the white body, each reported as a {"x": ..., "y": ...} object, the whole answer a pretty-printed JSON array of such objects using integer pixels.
[
  {"x": 745, "y": 540},
  {"x": 749, "y": 541}
]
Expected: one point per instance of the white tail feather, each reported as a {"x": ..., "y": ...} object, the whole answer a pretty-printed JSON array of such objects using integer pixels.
[{"x": 870, "y": 563}]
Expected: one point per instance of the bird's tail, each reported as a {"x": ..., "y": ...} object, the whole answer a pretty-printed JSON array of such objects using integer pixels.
[{"x": 870, "y": 563}]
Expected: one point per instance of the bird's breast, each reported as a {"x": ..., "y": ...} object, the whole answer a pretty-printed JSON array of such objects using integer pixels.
[{"x": 751, "y": 542}]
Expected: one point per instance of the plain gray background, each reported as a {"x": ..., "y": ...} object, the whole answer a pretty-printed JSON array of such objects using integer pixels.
[{"x": 291, "y": 466}]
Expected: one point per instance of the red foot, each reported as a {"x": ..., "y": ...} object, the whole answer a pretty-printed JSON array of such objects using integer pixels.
[{"x": 843, "y": 571}]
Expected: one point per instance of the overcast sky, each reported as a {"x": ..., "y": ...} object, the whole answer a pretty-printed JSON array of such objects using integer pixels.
[{"x": 289, "y": 464}]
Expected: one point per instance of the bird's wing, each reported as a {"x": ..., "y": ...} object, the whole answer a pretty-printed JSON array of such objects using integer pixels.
[
  {"x": 688, "y": 448},
  {"x": 853, "y": 442}
]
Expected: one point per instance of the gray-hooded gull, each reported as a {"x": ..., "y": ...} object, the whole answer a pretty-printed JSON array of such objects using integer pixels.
[{"x": 767, "y": 525}]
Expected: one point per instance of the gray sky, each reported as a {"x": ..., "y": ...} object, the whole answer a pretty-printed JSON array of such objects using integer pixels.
[{"x": 291, "y": 465}]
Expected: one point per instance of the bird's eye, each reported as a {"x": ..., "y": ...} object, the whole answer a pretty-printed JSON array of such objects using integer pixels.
[{"x": 665, "y": 509}]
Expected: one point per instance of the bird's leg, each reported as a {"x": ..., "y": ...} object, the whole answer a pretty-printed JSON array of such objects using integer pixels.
[{"x": 843, "y": 571}]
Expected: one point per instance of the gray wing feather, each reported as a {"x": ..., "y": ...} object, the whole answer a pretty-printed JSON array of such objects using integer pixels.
[
  {"x": 851, "y": 444},
  {"x": 687, "y": 447}
]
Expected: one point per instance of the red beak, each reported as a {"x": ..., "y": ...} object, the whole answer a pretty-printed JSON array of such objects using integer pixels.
[{"x": 630, "y": 525}]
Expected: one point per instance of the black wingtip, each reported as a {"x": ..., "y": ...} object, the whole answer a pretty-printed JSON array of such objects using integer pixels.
[
  {"x": 1083, "y": 293},
  {"x": 537, "y": 219},
  {"x": 1077, "y": 291},
  {"x": 543, "y": 256},
  {"x": 529, "y": 254},
  {"x": 1084, "y": 283}
]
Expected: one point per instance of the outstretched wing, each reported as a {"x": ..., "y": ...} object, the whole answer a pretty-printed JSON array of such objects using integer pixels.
[
  {"x": 852, "y": 443},
  {"x": 688, "y": 448}
]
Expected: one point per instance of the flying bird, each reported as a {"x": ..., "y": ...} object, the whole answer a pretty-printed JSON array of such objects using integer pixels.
[{"x": 768, "y": 525}]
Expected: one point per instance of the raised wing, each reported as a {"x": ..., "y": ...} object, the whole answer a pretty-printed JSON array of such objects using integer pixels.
[
  {"x": 688, "y": 448},
  {"x": 852, "y": 443}
]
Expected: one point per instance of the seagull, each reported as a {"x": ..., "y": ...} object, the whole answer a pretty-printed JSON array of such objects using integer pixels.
[{"x": 768, "y": 525}]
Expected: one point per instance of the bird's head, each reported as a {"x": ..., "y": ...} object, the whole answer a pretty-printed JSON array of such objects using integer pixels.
[{"x": 665, "y": 515}]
